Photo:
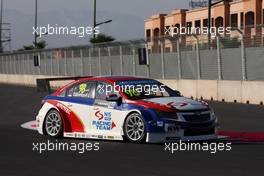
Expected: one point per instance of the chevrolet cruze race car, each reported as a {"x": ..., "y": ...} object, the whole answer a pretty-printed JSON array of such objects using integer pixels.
[{"x": 119, "y": 108}]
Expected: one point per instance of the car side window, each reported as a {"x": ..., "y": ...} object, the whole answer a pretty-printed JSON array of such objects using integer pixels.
[
  {"x": 82, "y": 90},
  {"x": 103, "y": 89}
]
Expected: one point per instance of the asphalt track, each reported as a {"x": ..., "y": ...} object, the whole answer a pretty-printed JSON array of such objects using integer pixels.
[{"x": 20, "y": 104}]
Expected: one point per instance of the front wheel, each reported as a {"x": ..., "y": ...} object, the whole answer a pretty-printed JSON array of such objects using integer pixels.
[
  {"x": 134, "y": 128},
  {"x": 53, "y": 124}
]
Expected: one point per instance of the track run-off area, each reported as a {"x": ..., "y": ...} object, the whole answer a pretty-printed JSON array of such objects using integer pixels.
[{"x": 20, "y": 104}]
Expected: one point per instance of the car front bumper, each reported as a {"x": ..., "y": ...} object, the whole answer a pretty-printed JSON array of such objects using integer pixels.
[
  {"x": 163, "y": 137},
  {"x": 184, "y": 132}
]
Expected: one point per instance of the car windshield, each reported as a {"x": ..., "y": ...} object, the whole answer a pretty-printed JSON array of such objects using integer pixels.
[{"x": 145, "y": 89}]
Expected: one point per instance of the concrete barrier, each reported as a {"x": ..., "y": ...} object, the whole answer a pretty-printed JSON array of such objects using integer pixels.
[
  {"x": 188, "y": 88},
  {"x": 29, "y": 80},
  {"x": 252, "y": 91},
  {"x": 229, "y": 91},
  {"x": 207, "y": 89}
]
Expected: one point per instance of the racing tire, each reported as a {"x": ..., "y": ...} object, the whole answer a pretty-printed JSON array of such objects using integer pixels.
[
  {"x": 135, "y": 128},
  {"x": 53, "y": 124}
]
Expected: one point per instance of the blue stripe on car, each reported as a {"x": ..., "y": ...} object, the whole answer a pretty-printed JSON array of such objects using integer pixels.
[{"x": 84, "y": 101}]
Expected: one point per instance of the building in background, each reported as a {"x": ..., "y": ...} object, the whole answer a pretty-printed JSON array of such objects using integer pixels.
[{"x": 244, "y": 15}]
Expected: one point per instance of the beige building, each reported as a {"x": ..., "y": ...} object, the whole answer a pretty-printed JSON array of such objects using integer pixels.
[{"x": 245, "y": 15}]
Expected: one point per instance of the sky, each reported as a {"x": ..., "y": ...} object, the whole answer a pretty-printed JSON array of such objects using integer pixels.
[
  {"x": 138, "y": 7},
  {"x": 125, "y": 13}
]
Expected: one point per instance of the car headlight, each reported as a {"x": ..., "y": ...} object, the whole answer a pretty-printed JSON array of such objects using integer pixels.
[
  {"x": 213, "y": 116},
  {"x": 169, "y": 115}
]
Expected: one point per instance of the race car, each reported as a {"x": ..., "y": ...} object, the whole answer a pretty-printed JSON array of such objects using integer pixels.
[{"x": 125, "y": 108}]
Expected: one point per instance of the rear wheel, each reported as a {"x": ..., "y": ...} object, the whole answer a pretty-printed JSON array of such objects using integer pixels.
[
  {"x": 134, "y": 128},
  {"x": 53, "y": 124}
]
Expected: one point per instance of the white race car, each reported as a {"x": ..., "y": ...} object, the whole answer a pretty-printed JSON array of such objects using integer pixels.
[{"x": 118, "y": 108}]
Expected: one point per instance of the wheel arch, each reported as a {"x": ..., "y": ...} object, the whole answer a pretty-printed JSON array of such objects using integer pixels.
[
  {"x": 131, "y": 112},
  {"x": 66, "y": 123},
  {"x": 145, "y": 114}
]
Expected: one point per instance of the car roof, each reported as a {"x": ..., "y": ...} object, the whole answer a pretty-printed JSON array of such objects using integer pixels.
[
  {"x": 111, "y": 79},
  {"x": 114, "y": 78}
]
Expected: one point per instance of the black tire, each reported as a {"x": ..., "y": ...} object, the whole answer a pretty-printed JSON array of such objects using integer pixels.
[
  {"x": 135, "y": 128},
  {"x": 53, "y": 124}
]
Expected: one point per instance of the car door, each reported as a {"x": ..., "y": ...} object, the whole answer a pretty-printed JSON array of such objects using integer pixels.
[
  {"x": 107, "y": 117},
  {"x": 80, "y": 99}
]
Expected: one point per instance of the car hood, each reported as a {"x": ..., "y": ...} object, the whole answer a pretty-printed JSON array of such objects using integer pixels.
[{"x": 180, "y": 103}]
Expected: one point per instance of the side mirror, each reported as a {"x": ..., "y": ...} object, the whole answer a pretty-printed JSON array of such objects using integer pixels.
[{"x": 113, "y": 97}]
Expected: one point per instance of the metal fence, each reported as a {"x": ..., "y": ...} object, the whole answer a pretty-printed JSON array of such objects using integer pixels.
[{"x": 227, "y": 58}]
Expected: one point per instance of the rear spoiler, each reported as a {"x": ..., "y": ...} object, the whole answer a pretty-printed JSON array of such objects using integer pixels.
[{"x": 43, "y": 85}]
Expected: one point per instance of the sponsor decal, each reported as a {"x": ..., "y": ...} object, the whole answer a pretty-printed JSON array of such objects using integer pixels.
[
  {"x": 132, "y": 92},
  {"x": 105, "y": 104},
  {"x": 99, "y": 115},
  {"x": 82, "y": 91},
  {"x": 143, "y": 81},
  {"x": 64, "y": 108},
  {"x": 177, "y": 104},
  {"x": 68, "y": 134},
  {"x": 104, "y": 121},
  {"x": 82, "y": 88},
  {"x": 101, "y": 103}
]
